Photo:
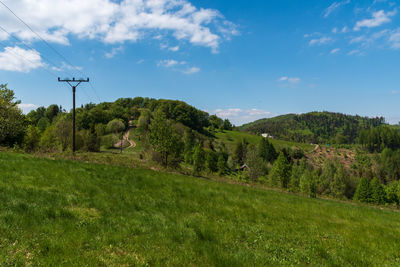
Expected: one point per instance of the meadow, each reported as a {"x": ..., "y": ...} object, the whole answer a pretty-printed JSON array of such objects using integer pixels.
[{"x": 61, "y": 212}]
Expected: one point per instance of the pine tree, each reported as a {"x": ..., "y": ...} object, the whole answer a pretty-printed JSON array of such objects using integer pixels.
[
  {"x": 297, "y": 172},
  {"x": 338, "y": 185},
  {"x": 255, "y": 164},
  {"x": 280, "y": 172},
  {"x": 212, "y": 161},
  {"x": 240, "y": 151},
  {"x": 363, "y": 191},
  {"x": 266, "y": 150},
  {"x": 391, "y": 193},
  {"x": 198, "y": 159},
  {"x": 378, "y": 195},
  {"x": 221, "y": 165}
]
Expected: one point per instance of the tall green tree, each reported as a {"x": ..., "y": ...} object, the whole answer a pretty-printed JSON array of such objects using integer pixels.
[
  {"x": 211, "y": 161},
  {"x": 189, "y": 142},
  {"x": 256, "y": 165},
  {"x": 222, "y": 166},
  {"x": 163, "y": 137},
  {"x": 338, "y": 185},
  {"x": 12, "y": 121},
  {"x": 240, "y": 151},
  {"x": 280, "y": 172},
  {"x": 363, "y": 191},
  {"x": 266, "y": 150},
  {"x": 198, "y": 159}
]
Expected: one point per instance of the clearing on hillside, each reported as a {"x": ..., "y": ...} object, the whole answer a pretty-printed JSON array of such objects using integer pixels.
[{"x": 58, "y": 212}]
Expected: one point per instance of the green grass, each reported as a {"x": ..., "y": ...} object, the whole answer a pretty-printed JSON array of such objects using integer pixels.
[
  {"x": 59, "y": 212},
  {"x": 231, "y": 137}
]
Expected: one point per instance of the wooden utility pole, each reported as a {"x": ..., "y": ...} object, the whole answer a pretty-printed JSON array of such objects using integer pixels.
[{"x": 73, "y": 83}]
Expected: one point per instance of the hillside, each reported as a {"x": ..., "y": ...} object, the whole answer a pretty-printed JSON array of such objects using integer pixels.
[
  {"x": 58, "y": 212},
  {"x": 314, "y": 127}
]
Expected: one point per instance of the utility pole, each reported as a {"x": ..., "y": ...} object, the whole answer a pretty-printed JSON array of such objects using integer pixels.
[{"x": 73, "y": 83}]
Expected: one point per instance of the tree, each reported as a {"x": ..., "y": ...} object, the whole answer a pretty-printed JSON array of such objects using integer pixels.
[
  {"x": 48, "y": 141},
  {"x": 297, "y": 172},
  {"x": 92, "y": 140},
  {"x": 392, "y": 193},
  {"x": 12, "y": 121},
  {"x": 115, "y": 126},
  {"x": 43, "y": 123},
  {"x": 32, "y": 138},
  {"x": 280, "y": 172},
  {"x": 212, "y": 161},
  {"x": 63, "y": 131},
  {"x": 308, "y": 183},
  {"x": 198, "y": 159},
  {"x": 227, "y": 125},
  {"x": 188, "y": 141},
  {"x": 239, "y": 151},
  {"x": 163, "y": 137},
  {"x": 221, "y": 164},
  {"x": 363, "y": 191},
  {"x": 266, "y": 150},
  {"x": 51, "y": 112},
  {"x": 378, "y": 194},
  {"x": 338, "y": 185},
  {"x": 256, "y": 165}
]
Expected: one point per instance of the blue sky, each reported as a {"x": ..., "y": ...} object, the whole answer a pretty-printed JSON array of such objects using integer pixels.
[{"x": 242, "y": 60}]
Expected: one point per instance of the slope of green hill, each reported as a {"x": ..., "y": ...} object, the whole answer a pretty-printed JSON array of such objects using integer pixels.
[
  {"x": 58, "y": 212},
  {"x": 314, "y": 127}
]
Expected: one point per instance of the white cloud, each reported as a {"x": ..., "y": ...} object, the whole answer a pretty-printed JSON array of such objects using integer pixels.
[
  {"x": 291, "y": 80},
  {"x": 26, "y": 108},
  {"x": 335, "y": 30},
  {"x": 174, "y": 48},
  {"x": 140, "y": 61},
  {"x": 65, "y": 66},
  {"x": 191, "y": 70},
  {"x": 170, "y": 63},
  {"x": 114, "y": 52},
  {"x": 320, "y": 41},
  {"x": 345, "y": 29},
  {"x": 394, "y": 39},
  {"x": 378, "y": 18},
  {"x": 21, "y": 60},
  {"x": 354, "y": 52},
  {"x": 334, "y": 6},
  {"x": 334, "y": 51},
  {"x": 240, "y": 116},
  {"x": 117, "y": 21},
  {"x": 395, "y": 92}
]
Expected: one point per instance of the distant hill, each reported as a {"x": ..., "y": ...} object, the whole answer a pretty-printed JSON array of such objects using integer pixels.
[{"x": 314, "y": 127}]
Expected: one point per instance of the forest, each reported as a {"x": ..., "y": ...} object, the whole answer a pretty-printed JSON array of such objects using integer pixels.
[
  {"x": 176, "y": 136},
  {"x": 315, "y": 127}
]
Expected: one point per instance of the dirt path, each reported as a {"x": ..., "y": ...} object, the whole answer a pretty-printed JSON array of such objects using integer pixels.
[{"x": 126, "y": 138}]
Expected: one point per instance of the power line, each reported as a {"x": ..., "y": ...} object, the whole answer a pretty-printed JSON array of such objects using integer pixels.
[
  {"x": 40, "y": 37},
  {"x": 51, "y": 47},
  {"x": 21, "y": 56},
  {"x": 29, "y": 47},
  {"x": 46, "y": 59},
  {"x": 24, "y": 58}
]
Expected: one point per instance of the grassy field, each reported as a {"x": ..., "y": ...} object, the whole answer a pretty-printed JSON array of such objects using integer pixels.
[{"x": 59, "y": 212}]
